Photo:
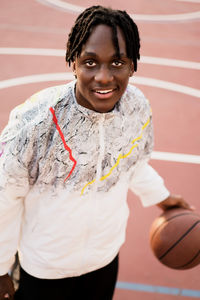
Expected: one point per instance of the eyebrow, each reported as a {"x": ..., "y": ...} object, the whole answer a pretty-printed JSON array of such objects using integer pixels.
[{"x": 95, "y": 55}]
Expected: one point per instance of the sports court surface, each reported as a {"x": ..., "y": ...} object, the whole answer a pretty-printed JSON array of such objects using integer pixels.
[{"x": 32, "y": 48}]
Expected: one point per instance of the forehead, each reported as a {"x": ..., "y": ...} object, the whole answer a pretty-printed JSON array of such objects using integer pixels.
[{"x": 101, "y": 40}]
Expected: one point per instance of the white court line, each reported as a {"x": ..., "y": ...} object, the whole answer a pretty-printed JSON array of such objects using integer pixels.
[
  {"x": 69, "y": 76},
  {"x": 59, "y": 52},
  {"x": 35, "y": 78},
  {"x": 63, "y": 5},
  {"x": 187, "y": 158},
  {"x": 176, "y": 157},
  {"x": 166, "y": 85},
  {"x": 167, "y": 18},
  {"x": 191, "y": 1},
  {"x": 32, "y": 51},
  {"x": 170, "y": 62},
  {"x": 140, "y": 17}
]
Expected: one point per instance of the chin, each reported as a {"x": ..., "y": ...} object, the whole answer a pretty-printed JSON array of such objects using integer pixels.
[{"x": 103, "y": 109}]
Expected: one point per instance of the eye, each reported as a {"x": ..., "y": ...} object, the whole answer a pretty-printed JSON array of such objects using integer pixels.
[
  {"x": 117, "y": 63},
  {"x": 90, "y": 63}
]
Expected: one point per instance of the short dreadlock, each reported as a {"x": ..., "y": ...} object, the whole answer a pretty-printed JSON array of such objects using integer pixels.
[{"x": 96, "y": 15}]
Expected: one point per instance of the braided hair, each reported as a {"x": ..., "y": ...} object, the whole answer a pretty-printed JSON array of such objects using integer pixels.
[{"x": 96, "y": 15}]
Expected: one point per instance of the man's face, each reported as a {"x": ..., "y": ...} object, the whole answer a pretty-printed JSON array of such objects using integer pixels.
[{"x": 102, "y": 77}]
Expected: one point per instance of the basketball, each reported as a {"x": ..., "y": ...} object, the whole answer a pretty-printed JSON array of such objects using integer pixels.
[{"x": 175, "y": 238}]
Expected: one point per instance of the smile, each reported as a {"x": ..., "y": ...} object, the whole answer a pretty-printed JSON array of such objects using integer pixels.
[
  {"x": 104, "y": 91},
  {"x": 104, "y": 94}
]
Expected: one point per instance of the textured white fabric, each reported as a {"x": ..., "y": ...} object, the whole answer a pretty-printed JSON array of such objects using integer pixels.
[
  {"x": 148, "y": 185},
  {"x": 64, "y": 176}
]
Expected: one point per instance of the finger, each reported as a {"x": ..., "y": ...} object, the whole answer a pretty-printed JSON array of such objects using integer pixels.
[
  {"x": 187, "y": 206},
  {"x": 191, "y": 207}
]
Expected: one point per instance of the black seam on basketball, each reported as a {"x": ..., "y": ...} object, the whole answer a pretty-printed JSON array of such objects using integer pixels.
[
  {"x": 182, "y": 237},
  {"x": 189, "y": 262},
  {"x": 179, "y": 215},
  {"x": 183, "y": 214}
]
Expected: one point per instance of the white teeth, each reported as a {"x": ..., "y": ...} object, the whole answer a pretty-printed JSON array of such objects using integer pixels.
[{"x": 104, "y": 92}]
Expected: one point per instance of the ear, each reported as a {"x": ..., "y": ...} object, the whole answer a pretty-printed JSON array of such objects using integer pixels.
[
  {"x": 74, "y": 68},
  {"x": 131, "y": 69}
]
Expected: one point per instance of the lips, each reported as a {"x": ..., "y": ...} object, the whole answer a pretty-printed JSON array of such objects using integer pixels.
[{"x": 104, "y": 93}]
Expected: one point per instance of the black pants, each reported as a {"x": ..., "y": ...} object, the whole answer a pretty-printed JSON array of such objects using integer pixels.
[{"x": 96, "y": 285}]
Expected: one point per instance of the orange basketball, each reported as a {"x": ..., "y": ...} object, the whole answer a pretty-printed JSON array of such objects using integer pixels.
[{"x": 175, "y": 238}]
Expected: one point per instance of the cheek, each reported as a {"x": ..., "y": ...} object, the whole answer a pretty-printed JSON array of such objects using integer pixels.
[
  {"x": 83, "y": 80},
  {"x": 124, "y": 79},
  {"x": 123, "y": 75},
  {"x": 83, "y": 83},
  {"x": 84, "y": 74}
]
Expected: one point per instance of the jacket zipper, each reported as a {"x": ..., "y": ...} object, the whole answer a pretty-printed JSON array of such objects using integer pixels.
[
  {"x": 101, "y": 151},
  {"x": 92, "y": 193}
]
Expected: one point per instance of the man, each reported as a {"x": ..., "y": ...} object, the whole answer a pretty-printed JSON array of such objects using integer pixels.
[{"x": 69, "y": 155}]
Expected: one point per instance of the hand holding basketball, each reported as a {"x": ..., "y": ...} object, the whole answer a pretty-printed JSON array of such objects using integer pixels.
[
  {"x": 174, "y": 201},
  {"x": 175, "y": 238}
]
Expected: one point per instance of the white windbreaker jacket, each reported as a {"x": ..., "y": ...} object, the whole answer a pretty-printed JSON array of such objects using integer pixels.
[{"x": 64, "y": 176}]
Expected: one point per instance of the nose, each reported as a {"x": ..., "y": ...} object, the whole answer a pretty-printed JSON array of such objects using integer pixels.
[{"x": 104, "y": 75}]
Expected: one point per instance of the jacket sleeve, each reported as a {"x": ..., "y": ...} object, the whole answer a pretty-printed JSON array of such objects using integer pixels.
[
  {"x": 146, "y": 182},
  {"x": 148, "y": 185},
  {"x": 14, "y": 185}
]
